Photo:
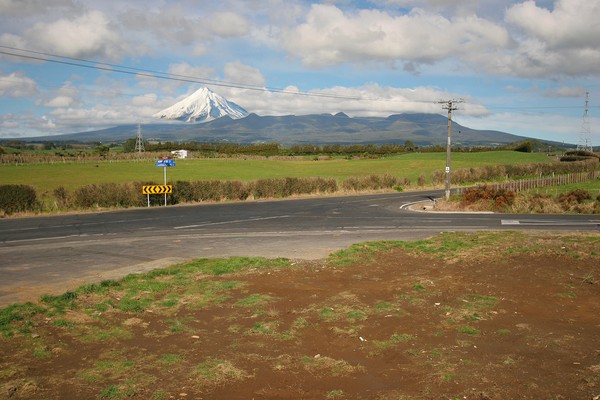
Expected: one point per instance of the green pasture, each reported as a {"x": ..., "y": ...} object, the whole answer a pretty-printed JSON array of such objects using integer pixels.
[{"x": 46, "y": 177}]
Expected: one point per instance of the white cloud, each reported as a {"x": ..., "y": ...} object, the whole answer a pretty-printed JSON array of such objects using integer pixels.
[
  {"x": 16, "y": 84},
  {"x": 227, "y": 24},
  {"x": 329, "y": 36},
  {"x": 366, "y": 100},
  {"x": 21, "y": 8},
  {"x": 238, "y": 72},
  {"x": 561, "y": 41},
  {"x": 66, "y": 96},
  {"x": 89, "y": 35}
]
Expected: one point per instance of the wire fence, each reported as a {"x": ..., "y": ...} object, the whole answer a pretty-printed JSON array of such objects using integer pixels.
[{"x": 541, "y": 182}]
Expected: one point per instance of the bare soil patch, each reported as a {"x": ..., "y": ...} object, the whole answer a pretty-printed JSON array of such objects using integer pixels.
[{"x": 459, "y": 316}]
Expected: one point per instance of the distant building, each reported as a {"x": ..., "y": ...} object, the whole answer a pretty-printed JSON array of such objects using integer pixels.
[{"x": 180, "y": 153}]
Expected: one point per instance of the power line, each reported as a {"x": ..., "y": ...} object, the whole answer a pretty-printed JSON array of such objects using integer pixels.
[{"x": 102, "y": 66}]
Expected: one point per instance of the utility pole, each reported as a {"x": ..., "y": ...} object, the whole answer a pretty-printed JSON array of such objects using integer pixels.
[
  {"x": 449, "y": 105},
  {"x": 139, "y": 141}
]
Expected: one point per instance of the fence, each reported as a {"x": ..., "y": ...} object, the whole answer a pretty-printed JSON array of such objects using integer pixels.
[{"x": 528, "y": 184}]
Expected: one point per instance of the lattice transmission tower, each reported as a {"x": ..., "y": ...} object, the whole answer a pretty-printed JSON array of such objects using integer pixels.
[
  {"x": 139, "y": 141},
  {"x": 585, "y": 137}
]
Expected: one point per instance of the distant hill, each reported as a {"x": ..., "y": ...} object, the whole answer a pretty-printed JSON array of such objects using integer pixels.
[{"x": 421, "y": 129}]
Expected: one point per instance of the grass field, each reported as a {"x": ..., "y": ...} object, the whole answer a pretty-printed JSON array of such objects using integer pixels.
[{"x": 46, "y": 177}]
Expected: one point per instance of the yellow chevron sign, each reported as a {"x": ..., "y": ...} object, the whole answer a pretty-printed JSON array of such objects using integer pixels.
[{"x": 157, "y": 189}]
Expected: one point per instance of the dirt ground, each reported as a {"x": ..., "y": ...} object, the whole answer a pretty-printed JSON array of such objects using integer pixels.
[{"x": 482, "y": 317}]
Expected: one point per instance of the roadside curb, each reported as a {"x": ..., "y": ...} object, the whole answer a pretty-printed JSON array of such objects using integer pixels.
[{"x": 429, "y": 206}]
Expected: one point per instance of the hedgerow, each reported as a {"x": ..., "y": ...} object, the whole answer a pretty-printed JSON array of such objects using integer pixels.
[{"x": 17, "y": 198}]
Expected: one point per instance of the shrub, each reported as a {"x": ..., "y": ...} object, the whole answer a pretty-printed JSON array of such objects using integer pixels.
[
  {"x": 109, "y": 195},
  {"x": 489, "y": 196},
  {"x": 235, "y": 190},
  {"x": 17, "y": 198},
  {"x": 576, "y": 196},
  {"x": 62, "y": 198},
  {"x": 370, "y": 182}
]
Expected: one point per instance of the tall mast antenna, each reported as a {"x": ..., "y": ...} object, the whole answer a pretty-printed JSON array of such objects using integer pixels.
[
  {"x": 585, "y": 138},
  {"x": 139, "y": 141}
]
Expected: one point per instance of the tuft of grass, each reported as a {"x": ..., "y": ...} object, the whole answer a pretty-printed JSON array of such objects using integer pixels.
[
  {"x": 15, "y": 313},
  {"x": 326, "y": 366},
  {"x": 393, "y": 340},
  {"x": 170, "y": 359},
  {"x": 327, "y": 313},
  {"x": 215, "y": 372},
  {"x": 356, "y": 315},
  {"x": 334, "y": 394},
  {"x": 468, "y": 330},
  {"x": 221, "y": 266},
  {"x": 254, "y": 300},
  {"x": 361, "y": 252},
  {"x": 59, "y": 304},
  {"x": 569, "y": 295}
]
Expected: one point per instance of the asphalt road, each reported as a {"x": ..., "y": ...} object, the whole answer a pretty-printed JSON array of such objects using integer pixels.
[{"x": 53, "y": 254}]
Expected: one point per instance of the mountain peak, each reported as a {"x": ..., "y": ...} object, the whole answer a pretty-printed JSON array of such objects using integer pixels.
[{"x": 202, "y": 106}]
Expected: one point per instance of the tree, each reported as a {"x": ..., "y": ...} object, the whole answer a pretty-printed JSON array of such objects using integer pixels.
[{"x": 129, "y": 145}]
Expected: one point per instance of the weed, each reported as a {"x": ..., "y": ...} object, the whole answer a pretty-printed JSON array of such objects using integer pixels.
[
  {"x": 16, "y": 313},
  {"x": 327, "y": 313},
  {"x": 114, "y": 333},
  {"x": 300, "y": 323},
  {"x": 133, "y": 305},
  {"x": 418, "y": 287},
  {"x": 356, "y": 315},
  {"x": 98, "y": 288},
  {"x": 63, "y": 323},
  {"x": 112, "y": 392},
  {"x": 253, "y": 300},
  {"x": 469, "y": 330},
  {"x": 508, "y": 361},
  {"x": 326, "y": 366},
  {"x": 393, "y": 340},
  {"x": 568, "y": 295},
  {"x": 333, "y": 394},
  {"x": 384, "y": 305},
  {"x": 448, "y": 377},
  {"x": 503, "y": 332},
  {"x": 262, "y": 328},
  {"x": 215, "y": 372},
  {"x": 170, "y": 359},
  {"x": 58, "y": 304},
  {"x": 219, "y": 266},
  {"x": 41, "y": 351}
]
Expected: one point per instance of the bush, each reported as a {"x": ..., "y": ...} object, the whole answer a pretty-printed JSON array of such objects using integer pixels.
[
  {"x": 17, "y": 198},
  {"x": 109, "y": 195},
  {"x": 62, "y": 198},
  {"x": 577, "y": 196},
  {"x": 488, "y": 197},
  {"x": 371, "y": 182}
]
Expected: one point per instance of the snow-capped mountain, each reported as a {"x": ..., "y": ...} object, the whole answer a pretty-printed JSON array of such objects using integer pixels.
[{"x": 202, "y": 106}]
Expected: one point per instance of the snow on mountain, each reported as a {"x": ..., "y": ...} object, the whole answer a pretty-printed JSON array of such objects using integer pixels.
[{"x": 202, "y": 106}]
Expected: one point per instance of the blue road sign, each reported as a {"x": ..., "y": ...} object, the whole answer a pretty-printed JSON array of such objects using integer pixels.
[{"x": 165, "y": 163}]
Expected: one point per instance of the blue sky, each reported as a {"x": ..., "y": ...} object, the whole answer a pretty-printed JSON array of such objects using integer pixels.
[{"x": 521, "y": 66}]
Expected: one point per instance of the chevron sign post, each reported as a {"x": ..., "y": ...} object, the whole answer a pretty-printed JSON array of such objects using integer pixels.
[{"x": 157, "y": 189}]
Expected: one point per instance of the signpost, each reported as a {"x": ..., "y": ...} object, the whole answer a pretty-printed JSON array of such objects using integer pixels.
[{"x": 164, "y": 163}]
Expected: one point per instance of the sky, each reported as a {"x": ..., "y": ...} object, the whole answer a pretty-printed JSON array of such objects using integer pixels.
[{"x": 522, "y": 67}]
